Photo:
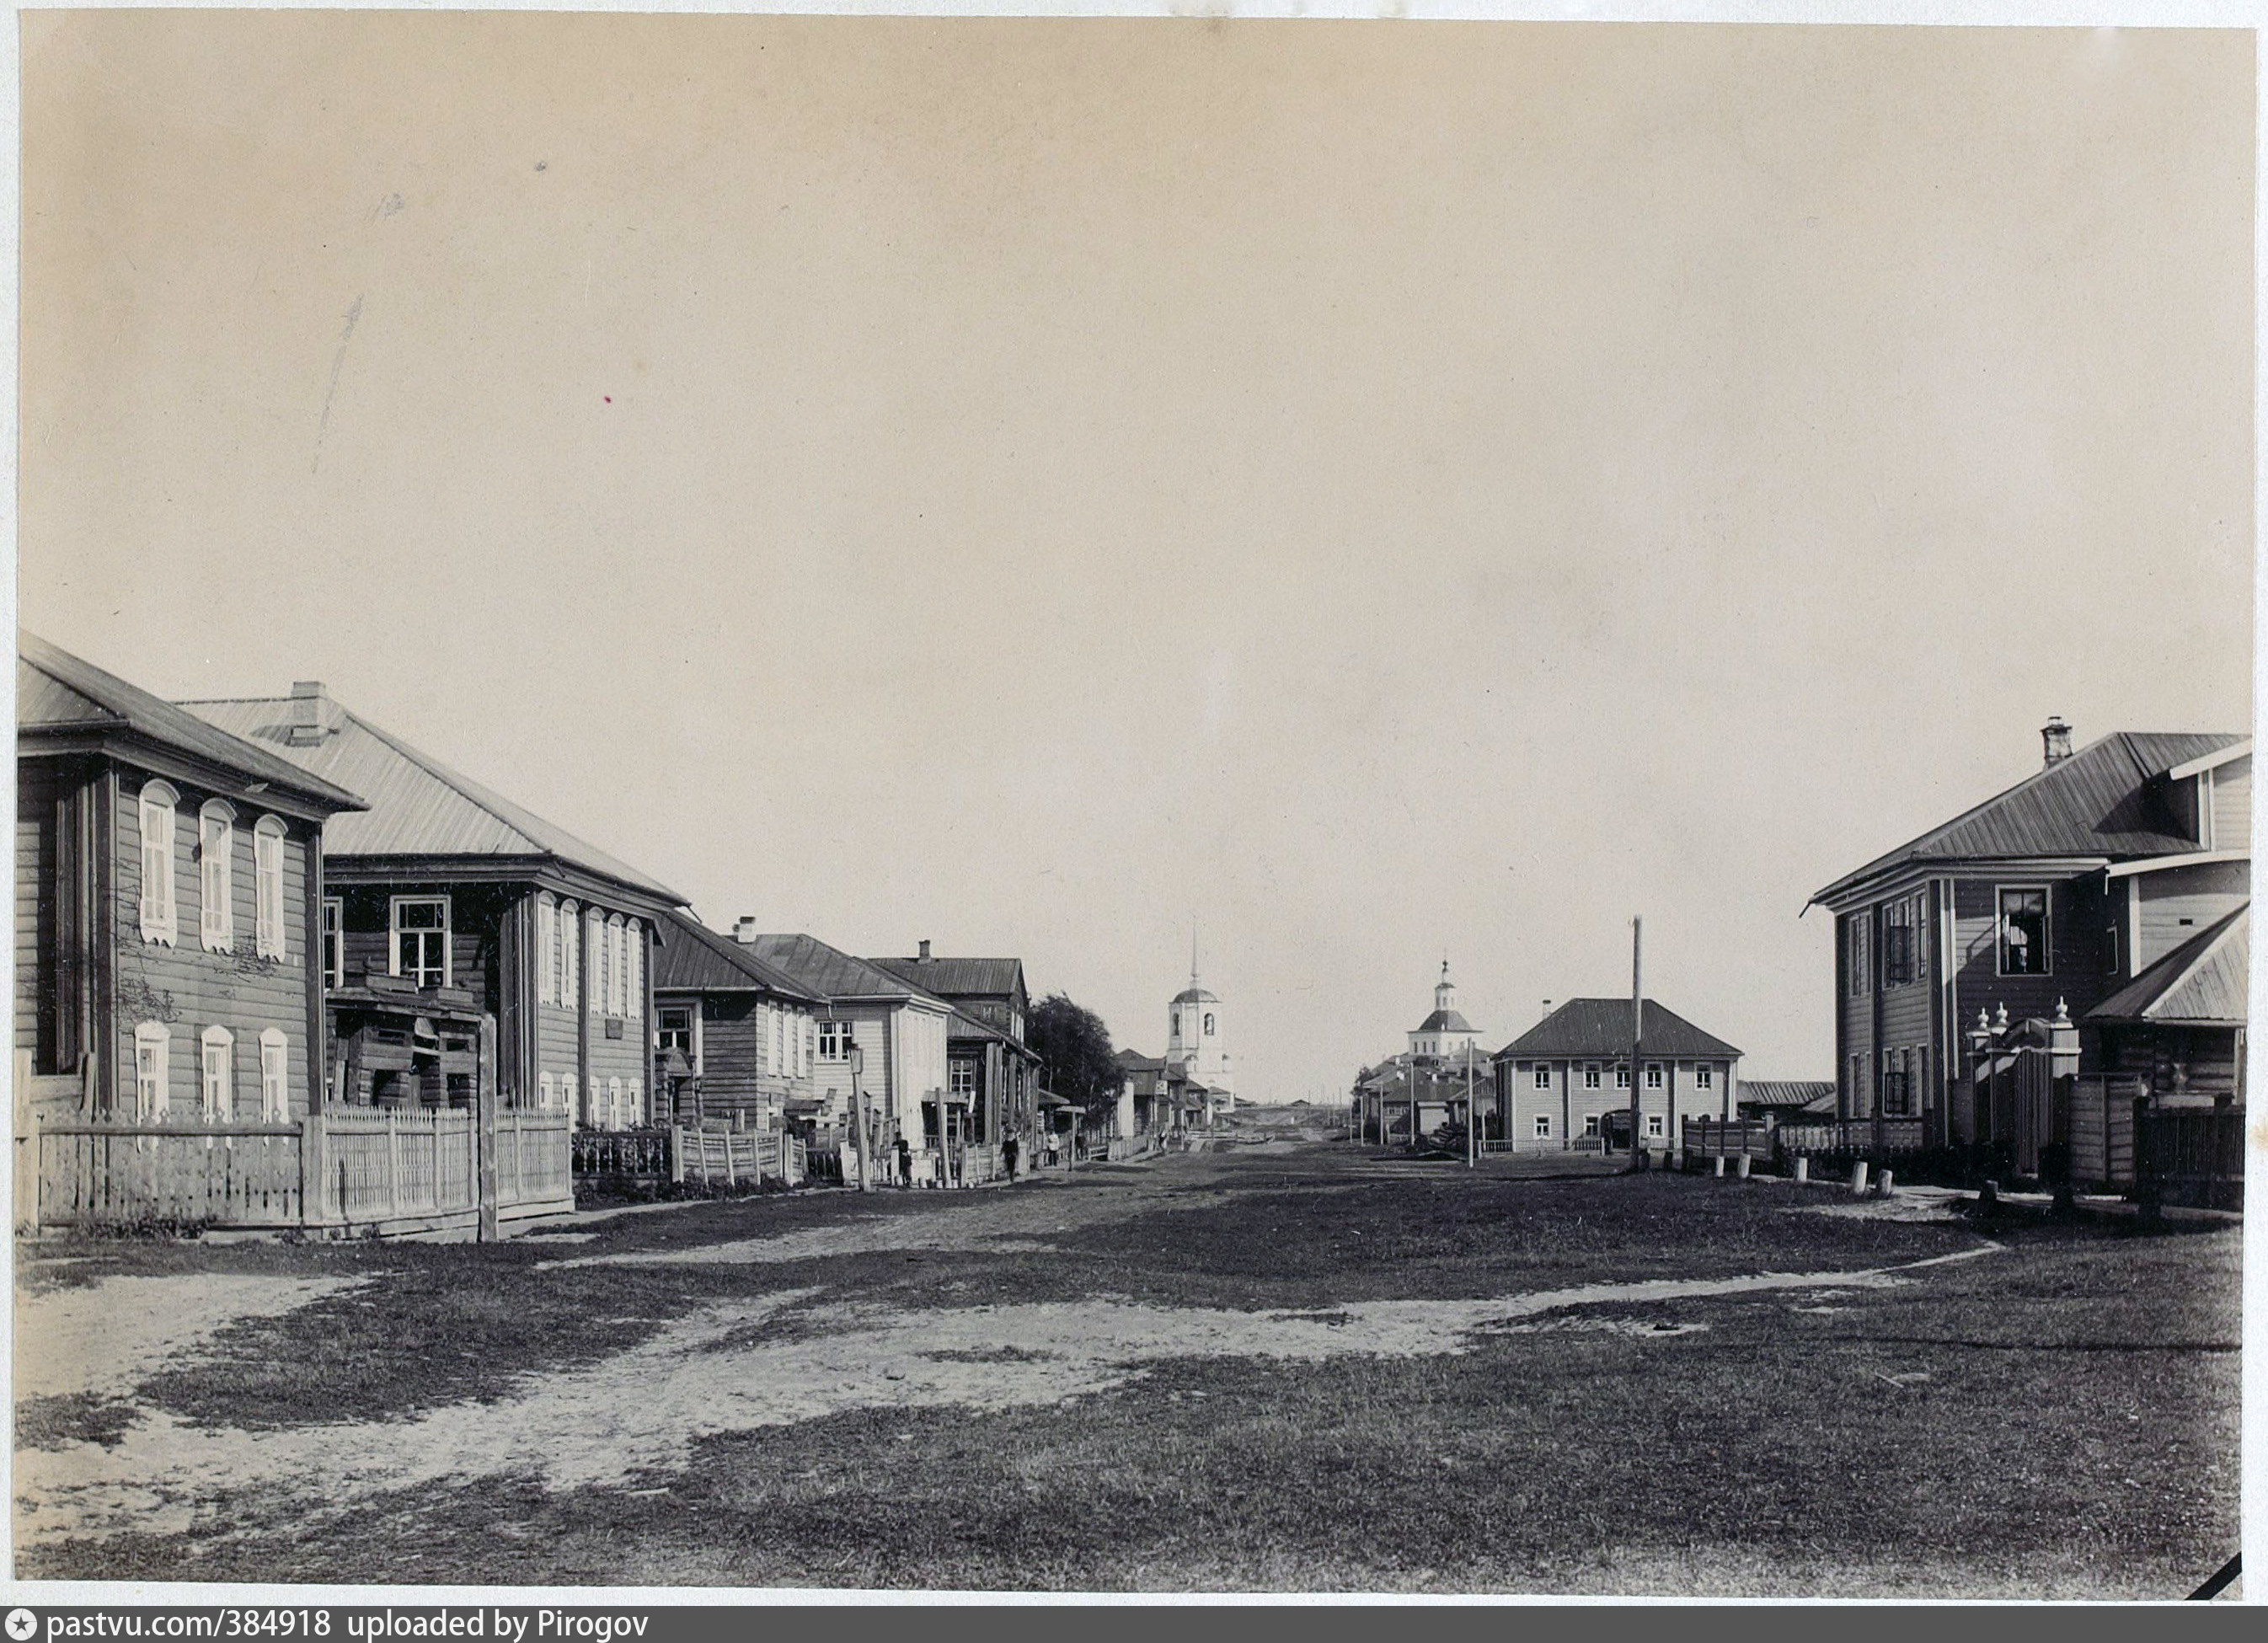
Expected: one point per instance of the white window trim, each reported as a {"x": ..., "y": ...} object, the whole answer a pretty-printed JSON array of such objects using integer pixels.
[
  {"x": 614, "y": 1103},
  {"x": 393, "y": 906},
  {"x": 216, "y": 877},
  {"x": 1654, "y": 1075},
  {"x": 617, "y": 967},
  {"x": 2047, "y": 931},
  {"x": 550, "y": 1086},
  {"x": 268, "y": 922},
  {"x": 1654, "y": 1126},
  {"x": 634, "y": 1098},
  {"x": 150, "y": 1102},
  {"x": 334, "y": 920},
  {"x": 275, "y": 1076},
  {"x": 218, "y": 1105},
  {"x": 547, "y": 946},
  {"x": 1542, "y": 1126},
  {"x": 634, "y": 970},
  {"x": 1543, "y": 1075},
  {"x": 158, "y": 802},
  {"x": 570, "y": 955},
  {"x": 1705, "y": 1075}
]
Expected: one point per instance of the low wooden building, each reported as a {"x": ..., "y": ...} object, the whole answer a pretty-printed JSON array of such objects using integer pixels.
[
  {"x": 744, "y": 1035},
  {"x": 989, "y": 1070},
  {"x": 445, "y": 901}
]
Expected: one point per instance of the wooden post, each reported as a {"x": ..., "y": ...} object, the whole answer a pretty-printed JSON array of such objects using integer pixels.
[
  {"x": 1802, "y": 1168},
  {"x": 27, "y": 1148},
  {"x": 676, "y": 1155},
  {"x": 1637, "y": 1038},
  {"x": 485, "y": 1193},
  {"x": 315, "y": 1171}
]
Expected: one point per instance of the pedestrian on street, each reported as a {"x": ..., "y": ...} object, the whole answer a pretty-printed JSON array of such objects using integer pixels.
[
  {"x": 905, "y": 1163},
  {"x": 1008, "y": 1157}
]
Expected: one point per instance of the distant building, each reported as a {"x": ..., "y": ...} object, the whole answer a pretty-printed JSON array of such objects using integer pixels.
[
  {"x": 1196, "y": 1044},
  {"x": 1445, "y": 1034},
  {"x": 2097, "y": 910},
  {"x": 736, "y": 1039},
  {"x": 1566, "y": 1082},
  {"x": 989, "y": 1067}
]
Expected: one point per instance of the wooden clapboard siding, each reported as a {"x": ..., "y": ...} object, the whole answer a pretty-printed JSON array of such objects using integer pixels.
[
  {"x": 2231, "y": 805},
  {"x": 189, "y": 989},
  {"x": 2199, "y": 894},
  {"x": 2077, "y": 911},
  {"x": 38, "y": 788},
  {"x": 2206, "y": 1055}
]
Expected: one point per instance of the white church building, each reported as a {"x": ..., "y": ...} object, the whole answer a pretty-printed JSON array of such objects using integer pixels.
[
  {"x": 1445, "y": 1035},
  {"x": 1195, "y": 1043}
]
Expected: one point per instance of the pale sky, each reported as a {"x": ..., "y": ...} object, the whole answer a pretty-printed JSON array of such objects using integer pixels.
[{"x": 1379, "y": 491}]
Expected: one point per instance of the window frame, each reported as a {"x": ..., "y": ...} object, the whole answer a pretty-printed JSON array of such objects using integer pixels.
[
  {"x": 217, "y": 875},
  {"x": 217, "y": 1092},
  {"x": 1542, "y": 1126},
  {"x": 2000, "y": 893},
  {"x": 570, "y": 955},
  {"x": 447, "y": 932},
  {"x": 153, "y": 1091},
  {"x": 333, "y": 960},
  {"x": 159, "y": 918},
  {"x": 1654, "y": 1129},
  {"x": 1591, "y": 1071},
  {"x": 275, "y": 1076},
  {"x": 269, "y": 926},
  {"x": 547, "y": 946},
  {"x": 1705, "y": 1075},
  {"x": 633, "y": 970},
  {"x": 1656, "y": 1076},
  {"x": 1541, "y": 1076}
]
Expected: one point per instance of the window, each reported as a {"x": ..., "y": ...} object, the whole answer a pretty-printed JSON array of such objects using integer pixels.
[
  {"x": 834, "y": 1040},
  {"x": 1543, "y": 1075},
  {"x": 158, "y": 802},
  {"x": 274, "y": 1077},
  {"x": 1653, "y": 1075},
  {"x": 217, "y": 875},
  {"x": 602, "y": 963},
  {"x": 1542, "y": 1126},
  {"x": 615, "y": 1104},
  {"x": 634, "y": 983},
  {"x": 2111, "y": 950},
  {"x": 547, "y": 948},
  {"x": 1858, "y": 950},
  {"x": 1858, "y": 1087},
  {"x": 570, "y": 969},
  {"x": 1622, "y": 1075},
  {"x": 1590, "y": 1124},
  {"x": 1590, "y": 1075},
  {"x": 633, "y": 1102},
  {"x": 421, "y": 940},
  {"x": 334, "y": 942},
  {"x": 1898, "y": 943},
  {"x": 220, "y": 1075},
  {"x": 1895, "y": 1071},
  {"x": 961, "y": 1080},
  {"x": 153, "y": 1055},
  {"x": 550, "y": 1086},
  {"x": 1208, "y": 1032},
  {"x": 1653, "y": 1125},
  {"x": 2024, "y": 933},
  {"x": 268, "y": 887},
  {"x": 1704, "y": 1075},
  {"x": 618, "y": 964},
  {"x": 675, "y": 1031}
]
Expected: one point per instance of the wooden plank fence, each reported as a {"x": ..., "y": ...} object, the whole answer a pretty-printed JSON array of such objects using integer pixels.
[
  {"x": 1721, "y": 1137},
  {"x": 706, "y": 1156},
  {"x": 1851, "y": 1136}
]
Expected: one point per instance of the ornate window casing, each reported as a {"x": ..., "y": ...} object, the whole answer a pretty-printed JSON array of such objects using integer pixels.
[
  {"x": 217, "y": 1060},
  {"x": 153, "y": 1070},
  {"x": 268, "y": 922},
  {"x": 275, "y": 1076},
  {"x": 159, "y": 811},
  {"x": 217, "y": 875}
]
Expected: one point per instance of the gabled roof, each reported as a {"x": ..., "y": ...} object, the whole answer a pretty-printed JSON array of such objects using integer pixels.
[
  {"x": 958, "y": 977},
  {"x": 1135, "y": 1061},
  {"x": 693, "y": 958},
  {"x": 834, "y": 973},
  {"x": 2105, "y": 799},
  {"x": 2200, "y": 984},
  {"x": 1599, "y": 1029},
  {"x": 57, "y": 692},
  {"x": 1788, "y": 1093},
  {"x": 1445, "y": 1021},
  {"x": 418, "y": 805}
]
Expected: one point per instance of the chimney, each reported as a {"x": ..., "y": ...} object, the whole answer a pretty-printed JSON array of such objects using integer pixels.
[
  {"x": 2055, "y": 740},
  {"x": 1547, "y": 1009},
  {"x": 311, "y": 713},
  {"x": 924, "y": 952},
  {"x": 744, "y": 928}
]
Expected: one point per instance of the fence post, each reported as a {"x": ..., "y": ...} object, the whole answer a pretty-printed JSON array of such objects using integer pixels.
[
  {"x": 484, "y": 1133},
  {"x": 1802, "y": 1168},
  {"x": 314, "y": 1197},
  {"x": 676, "y": 1156},
  {"x": 26, "y": 1143}
]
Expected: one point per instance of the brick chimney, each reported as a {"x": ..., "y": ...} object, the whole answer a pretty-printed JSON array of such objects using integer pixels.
[
  {"x": 311, "y": 713},
  {"x": 2055, "y": 740},
  {"x": 744, "y": 929},
  {"x": 924, "y": 952}
]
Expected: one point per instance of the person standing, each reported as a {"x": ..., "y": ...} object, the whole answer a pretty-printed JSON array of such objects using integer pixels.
[
  {"x": 1008, "y": 1157},
  {"x": 905, "y": 1163}
]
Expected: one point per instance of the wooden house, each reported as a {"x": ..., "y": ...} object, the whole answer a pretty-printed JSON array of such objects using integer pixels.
[
  {"x": 444, "y": 901},
  {"x": 736, "y": 1039},
  {"x": 168, "y": 882},
  {"x": 989, "y": 1070},
  {"x": 1564, "y": 1084},
  {"x": 901, "y": 1034},
  {"x": 1999, "y": 929}
]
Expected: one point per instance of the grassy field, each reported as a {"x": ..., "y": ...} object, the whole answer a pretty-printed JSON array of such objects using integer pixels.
[{"x": 1303, "y": 1369}]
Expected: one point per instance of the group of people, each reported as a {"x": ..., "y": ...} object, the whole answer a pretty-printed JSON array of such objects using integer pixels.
[{"x": 956, "y": 1161}]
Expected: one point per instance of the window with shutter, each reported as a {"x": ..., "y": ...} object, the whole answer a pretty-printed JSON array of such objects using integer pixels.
[
  {"x": 153, "y": 1052},
  {"x": 274, "y": 1077},
  {"x": 158, "y": 818},
  {"x": 571, "y": 951},
  {"x": 219, "y": 1046},
  {"x": 268, "y": 887},
  {"x": 217, "y": 877},
  {"x": 547, "y": 948}
]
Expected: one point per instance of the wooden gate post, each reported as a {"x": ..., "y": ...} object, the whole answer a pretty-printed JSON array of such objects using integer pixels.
[
  {"x": 484, "y": 1133},
  {"x": 315, "y": 1171}
]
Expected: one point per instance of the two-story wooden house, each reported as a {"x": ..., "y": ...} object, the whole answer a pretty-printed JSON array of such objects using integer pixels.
[
  {"x": 989, "y": 1070},
  {"x": 745, "y": 1035},
  {"x": 168, "y": 882},
  {"x": 2043, "y": 904},
  {"x": 444, "y": 901},
  {"x": 1564, "y": 1084}
]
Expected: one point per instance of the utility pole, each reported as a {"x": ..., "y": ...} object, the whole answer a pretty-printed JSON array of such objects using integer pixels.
[
  {"x": 859, "y": 1116},
  {"x": 1638, "y": 1037},
  {"x": 1472, "y": 1114}
]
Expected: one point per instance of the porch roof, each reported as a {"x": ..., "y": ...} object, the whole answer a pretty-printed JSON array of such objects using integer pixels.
[{"x": 2200, "y": 984}]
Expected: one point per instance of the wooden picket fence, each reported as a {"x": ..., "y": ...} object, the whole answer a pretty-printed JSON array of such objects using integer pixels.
[
  {"x": 1723, "y": 1138},
  {"x": 707, "y": 1156}
]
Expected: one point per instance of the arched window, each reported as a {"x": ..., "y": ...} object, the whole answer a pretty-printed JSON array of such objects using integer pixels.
[
  {"x": 158, "y": 804},
  {"x": 268, "y": 886},
  {"x": 275, "y": 1076},
  {"x": 547, "y": 948},
  {"x": 1208, "y": 1023},
  {"x": 219, "y": 1045},
  {"x": 216, "y": 874},
  {"x": 549, "y": 1086},
  {"x": 153, "y": 1057},
  {"x": 594, "y": 952},
  {"x": 570, "y": 947},
  {"x": 617, "y": 967},
  {"x": 633, "y": 1108},
  {"x": 614, "y": 1103},
  {"x": 634, "y": 955}
]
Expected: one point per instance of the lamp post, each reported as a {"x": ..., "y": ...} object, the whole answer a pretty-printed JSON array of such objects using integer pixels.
[{"x": 859, "y": 1117}]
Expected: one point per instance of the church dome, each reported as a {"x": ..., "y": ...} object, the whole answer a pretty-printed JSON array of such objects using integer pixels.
[
  {"x": 1193, "y": 995},
  {"x": 1445, "y": 1021}
]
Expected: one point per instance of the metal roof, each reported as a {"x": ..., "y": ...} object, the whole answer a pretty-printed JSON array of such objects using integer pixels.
[
  {"x": 832, "y": 972},
  {"x": 1599, "y": 1029},
  {"x": 1445, "y": 1021},
  {"x": 2103, "y": 800},
  {"x": 1195, "y": 995},
  {"x": 694, "y": 958},
  {"x": 57, "y": 691},
  {"x": 2200, "y": 983},
  {"x": 418, "y": 805},
  {"x": 958, "y": 977},
  {"x": 1799, "y": 1093}
]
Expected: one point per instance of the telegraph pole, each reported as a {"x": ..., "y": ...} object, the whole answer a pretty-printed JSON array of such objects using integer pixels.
[
  {"x": 1638, "y": 1037},
  {"x": 1472, "y": 1114}
]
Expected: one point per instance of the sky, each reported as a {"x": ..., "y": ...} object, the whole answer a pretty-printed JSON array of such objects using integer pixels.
[{"x": 1362, "y": 493}]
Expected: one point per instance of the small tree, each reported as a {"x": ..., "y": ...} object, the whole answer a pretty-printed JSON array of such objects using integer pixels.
[{"x": 1074, "y": 1049}]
